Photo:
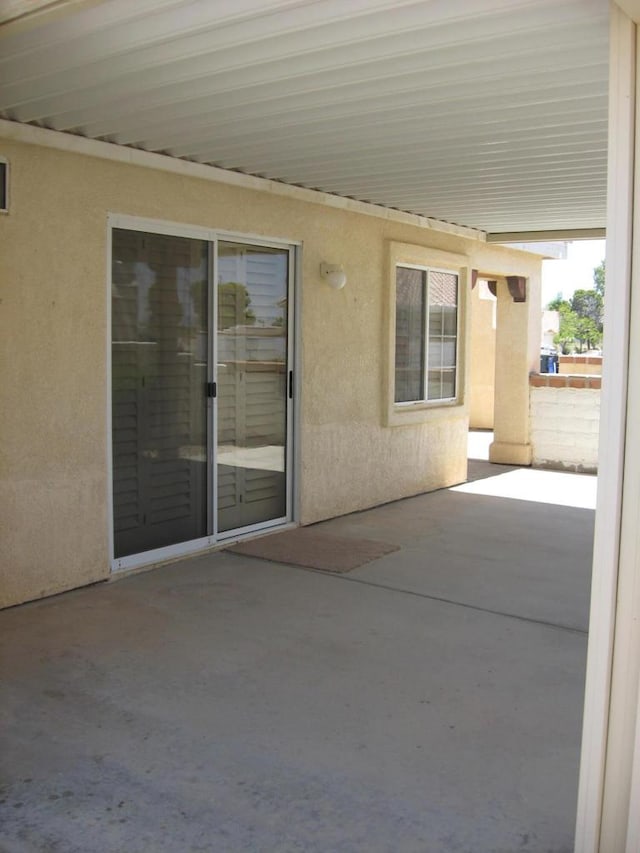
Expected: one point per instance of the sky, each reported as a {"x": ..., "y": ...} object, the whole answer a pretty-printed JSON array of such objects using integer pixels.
[{"x": 574, "y": 273}]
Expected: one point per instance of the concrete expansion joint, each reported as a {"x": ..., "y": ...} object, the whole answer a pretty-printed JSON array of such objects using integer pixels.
[{"x": 443, "y": 600}]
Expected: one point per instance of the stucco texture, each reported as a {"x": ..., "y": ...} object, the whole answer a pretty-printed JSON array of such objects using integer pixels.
[
  {"x": 55, "y": 340},
  {"x": 482, "y": 363}
]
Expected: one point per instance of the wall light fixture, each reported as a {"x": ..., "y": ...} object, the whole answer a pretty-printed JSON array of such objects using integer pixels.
[{"x": 334, "y": 275}]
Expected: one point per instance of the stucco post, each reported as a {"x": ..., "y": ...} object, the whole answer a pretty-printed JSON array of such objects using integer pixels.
[
  {"x": 517, "y": 353},
  {"x": 482, "y": 359}
]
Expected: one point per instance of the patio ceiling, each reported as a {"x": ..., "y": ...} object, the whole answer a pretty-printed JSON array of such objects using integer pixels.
[{"x": 486, "y": 113}]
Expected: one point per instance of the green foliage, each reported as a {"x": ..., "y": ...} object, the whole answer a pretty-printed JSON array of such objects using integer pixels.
[
  {"x": 588, "y": 335},
  {"x": 567, "y": 335},
  {"x": 557, "y": 303},
  {"x": 233, "y": 306},
  {"x": 588, "y": 304},
  {"x": 581, "y": 317},
  {"x": 598, "y": 279}
]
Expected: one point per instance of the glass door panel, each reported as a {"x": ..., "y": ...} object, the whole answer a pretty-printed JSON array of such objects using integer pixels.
[
  {"x": 159, "y": 383},
  {"x": 252, "y": 384}
]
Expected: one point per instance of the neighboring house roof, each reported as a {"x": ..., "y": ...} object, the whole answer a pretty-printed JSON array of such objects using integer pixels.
[{"x": 487, "y": 113}]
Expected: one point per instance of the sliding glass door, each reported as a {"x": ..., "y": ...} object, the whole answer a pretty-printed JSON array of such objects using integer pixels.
[
  {"x": 252, "y": 384},
  {"x": 200, "y": 388}
]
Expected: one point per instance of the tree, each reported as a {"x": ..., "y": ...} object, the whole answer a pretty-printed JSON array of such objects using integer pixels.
[
  {"x": 557, "y": 303},
  {"x": 598, "y": 279},
  {"x": 566, "y": 337},
  {"x": 581, "y": 317},
  {"x": 588, "y": 334},
  {"x": 587, "y": 304}
]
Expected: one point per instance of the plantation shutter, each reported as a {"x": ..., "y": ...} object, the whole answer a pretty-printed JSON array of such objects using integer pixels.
[{"x": 159, "y": 368}]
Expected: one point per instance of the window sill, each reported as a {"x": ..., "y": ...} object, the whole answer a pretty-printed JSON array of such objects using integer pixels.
[{"x": 406, "y": 414}]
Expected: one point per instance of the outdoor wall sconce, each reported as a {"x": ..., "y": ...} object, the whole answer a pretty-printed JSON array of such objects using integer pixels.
[{"x": 334, "y": 275}]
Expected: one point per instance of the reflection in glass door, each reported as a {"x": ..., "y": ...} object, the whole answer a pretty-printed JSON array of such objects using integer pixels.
[
  {"x": 159, "y": 382},
  {"x": 252, "y": 379},
  {"x": 200, "y": 389}
]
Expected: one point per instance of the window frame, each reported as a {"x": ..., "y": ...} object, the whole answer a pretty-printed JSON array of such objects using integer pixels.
[
  {"x": 426, "y": 336},
  {"x": 426, "y": 259}
]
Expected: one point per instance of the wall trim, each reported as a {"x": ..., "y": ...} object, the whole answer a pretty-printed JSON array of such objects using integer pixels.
[{"x": 32, "y": 135}]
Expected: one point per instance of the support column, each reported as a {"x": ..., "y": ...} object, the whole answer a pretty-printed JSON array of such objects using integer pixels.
[
  {"x": 517, "y": 354},
  {"x": 608, "y": 818}
]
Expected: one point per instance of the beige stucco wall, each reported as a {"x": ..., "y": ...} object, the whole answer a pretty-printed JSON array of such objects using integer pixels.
[
  {"x": 482, "y": 358},
  {"x": 53, "y": 411}
]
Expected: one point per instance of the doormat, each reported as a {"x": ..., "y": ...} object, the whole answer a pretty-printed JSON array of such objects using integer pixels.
[{"x": 314, "y": 550}]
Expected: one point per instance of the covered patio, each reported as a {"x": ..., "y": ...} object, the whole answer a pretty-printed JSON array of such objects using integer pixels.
[
  {"x": 430, "y": 700},
  {"x": 226, "y": 704}
]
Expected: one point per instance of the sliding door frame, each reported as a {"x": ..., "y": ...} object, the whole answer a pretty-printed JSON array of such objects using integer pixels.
[
  {"x": 240, "y": 240},
  {"x": 212, "y": 237}
]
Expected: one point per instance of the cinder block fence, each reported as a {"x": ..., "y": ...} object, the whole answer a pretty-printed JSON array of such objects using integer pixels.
[
  {"x": 583, "y": 365},
  {"x": 565, "y": 419}
]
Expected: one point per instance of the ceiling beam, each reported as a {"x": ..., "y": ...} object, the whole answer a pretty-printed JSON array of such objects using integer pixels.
[{"x": 547, "y": 236}]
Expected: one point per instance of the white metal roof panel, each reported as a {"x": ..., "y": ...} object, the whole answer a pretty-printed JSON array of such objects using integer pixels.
[{"x": 487, "y": 113}]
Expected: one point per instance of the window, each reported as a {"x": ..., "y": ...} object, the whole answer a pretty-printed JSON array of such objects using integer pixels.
[{"x": 426, "y": 335}]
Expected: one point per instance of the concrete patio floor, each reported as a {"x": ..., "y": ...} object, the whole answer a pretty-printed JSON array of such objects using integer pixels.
[{"x": 428, "y": 701}]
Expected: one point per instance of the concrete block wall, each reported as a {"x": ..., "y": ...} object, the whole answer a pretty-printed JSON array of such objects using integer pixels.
[
  {"x": 565, "y": 420},
  {"x": 580, "y": 365}
]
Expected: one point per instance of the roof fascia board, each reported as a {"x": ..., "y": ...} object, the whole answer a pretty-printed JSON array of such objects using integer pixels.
[
  {"x": 32, "y": 135},
  {"x": 547, "y": 236}
]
